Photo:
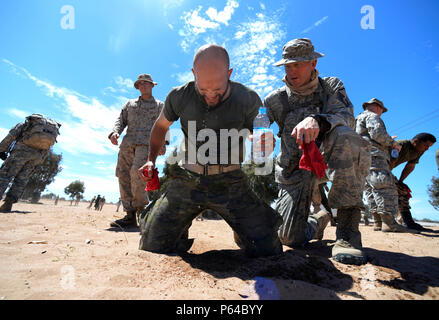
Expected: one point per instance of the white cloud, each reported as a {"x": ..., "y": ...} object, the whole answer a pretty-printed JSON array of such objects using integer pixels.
[
  {"x": 225, "y": 15},
  {"x": 89, "y": 121},
  {"x": 184, "y": 77},
  {"x": 316, "y": 24},
  {"x": 124, "y": 83},
  {"x": 255, "y": 52},
  {"x": 4, "y": 132},
  {"x": 18, "y": 113},
  {"x": 195, "y": 23}
]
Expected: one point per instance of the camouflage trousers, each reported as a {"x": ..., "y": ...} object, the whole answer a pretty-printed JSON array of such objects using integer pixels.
[
  {"x": 348, "y": 158},
  {"x": 19, "y": 166},
  {"x": 380, "y": 190},
  {"x": 403, "y": 196},
  {"x": 132, "y": 188},
  {"x": 165, "y": 223}
]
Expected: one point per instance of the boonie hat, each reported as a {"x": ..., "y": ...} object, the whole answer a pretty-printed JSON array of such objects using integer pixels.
[
  {"x": 143, "y": 77},
  {"x": 298, "y": 50},
  {"x": 375, "y": 100}
]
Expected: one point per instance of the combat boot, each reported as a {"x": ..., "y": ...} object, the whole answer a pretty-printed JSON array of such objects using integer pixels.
[
  {"x": 390, "y": 225},
  {"x": 7, "y": 205},
  {"x": 322, "y": 221},
  {"x": 377, "y": 222},
  {"x": 130, "y": 220},
  {"x": 410, "y": 223},
  {"x": 348, "y": 247}
]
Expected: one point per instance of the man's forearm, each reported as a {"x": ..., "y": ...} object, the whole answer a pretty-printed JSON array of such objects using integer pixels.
[
  {"x": 406, "y": 171},
  {"x": 156, "y": 142}
]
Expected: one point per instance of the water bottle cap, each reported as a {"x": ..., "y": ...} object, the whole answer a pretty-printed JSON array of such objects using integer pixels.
[{"x": 262, "y": 110}]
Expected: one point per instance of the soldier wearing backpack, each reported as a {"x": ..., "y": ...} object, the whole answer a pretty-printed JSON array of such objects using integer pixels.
[{"x": 28, "y": 144}]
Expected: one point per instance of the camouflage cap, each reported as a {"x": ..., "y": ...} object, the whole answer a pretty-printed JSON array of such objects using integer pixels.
[
  {"x": 375, "y": 100},
  {"x": 298, "y": 50},
  {"x": 143, "y": 77}
]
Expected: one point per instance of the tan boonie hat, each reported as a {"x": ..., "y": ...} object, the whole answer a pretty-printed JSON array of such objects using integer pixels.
[
  {"x": 298, "y": 50},
  {"x": 143, "y": 77},
  {"x": 375, "y": 100}
]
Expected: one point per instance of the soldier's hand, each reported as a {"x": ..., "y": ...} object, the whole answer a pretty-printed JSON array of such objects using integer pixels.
[
  {"x": 306, "y": 131},
  {"x": 146, "y": 171},
  {"x": 113, "y": 138},
  {"x": 3, "y": 156}
]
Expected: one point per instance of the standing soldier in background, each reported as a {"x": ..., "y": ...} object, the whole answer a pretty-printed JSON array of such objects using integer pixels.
[
  {"x": 91, "y": 202},
  {"x": 307, "y": 109},
  {"x": 380, "y": 190},
  {"x": 97, "y": 201},
  {"x": 33, "y": 140},
  {"x": 411, "y": 151},
  {"x": 138, "y": 115}
]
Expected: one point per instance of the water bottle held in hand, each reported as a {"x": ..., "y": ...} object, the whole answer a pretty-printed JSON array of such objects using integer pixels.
[
  {"x": 261, "y": 124},
  {"x": 394, "y": 153}
]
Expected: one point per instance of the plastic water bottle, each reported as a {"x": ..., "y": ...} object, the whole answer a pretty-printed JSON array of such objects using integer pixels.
[
  {"x": 394, "y": 153},
  {"x": 261, "y": 124}
]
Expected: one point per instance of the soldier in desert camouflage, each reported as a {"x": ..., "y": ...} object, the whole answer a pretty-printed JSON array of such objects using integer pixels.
[
  {"x": 138, "y": 116},
  {"x": 28, "y": 143},
  {"x": 309, "y": 108},
  {"x": 380, "y": 190}
]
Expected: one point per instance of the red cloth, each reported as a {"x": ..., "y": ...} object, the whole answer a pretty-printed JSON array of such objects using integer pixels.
[
  {"x": 312, "y": 159},
  {"x": 154, "y": 183}
]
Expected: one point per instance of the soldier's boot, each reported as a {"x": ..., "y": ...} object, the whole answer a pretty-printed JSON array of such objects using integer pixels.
[
  {"x": 366, "y": 220},
  {"x": 130, "y": 220},
  {"x": 322, "y": 221},
  {"x": 377, "y": 222},
  {"x": 7, "y": 205},
  {"x": 390, "y": 225},
  {"x": 348, "y": 247},
  {"x": 410, "y": 223}
]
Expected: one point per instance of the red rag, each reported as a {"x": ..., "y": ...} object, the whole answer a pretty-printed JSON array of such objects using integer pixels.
[
  {"x": 312, "y": 159},
  {"x": 154, "y": 183}
]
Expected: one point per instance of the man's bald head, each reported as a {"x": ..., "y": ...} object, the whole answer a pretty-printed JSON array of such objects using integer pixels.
[
  {"x": 212, "y": 74},
  {"x": 210, "y": 53}
]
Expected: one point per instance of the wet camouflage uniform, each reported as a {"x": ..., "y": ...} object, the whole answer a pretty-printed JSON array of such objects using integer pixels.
[
  {"x": 407, "y": 154},
  {"x": 344, "y": 151},
  {"x": 138, "y": 116},
  {"x": 19, "y": 165},
  {"x": 164, "y": 225},
  {"x": 380, "y": 190}
]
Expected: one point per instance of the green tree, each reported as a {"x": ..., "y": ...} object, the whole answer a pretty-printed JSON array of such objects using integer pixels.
[
  {"x": 42, "y": 176},
  {"x": 75, "y": 189},
  {"x": 433, "y": 191}
]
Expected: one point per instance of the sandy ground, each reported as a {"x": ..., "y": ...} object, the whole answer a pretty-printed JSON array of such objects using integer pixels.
[{"x": 68, "y": 252}]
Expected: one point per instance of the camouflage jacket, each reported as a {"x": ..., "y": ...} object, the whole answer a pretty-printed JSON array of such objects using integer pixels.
[
  {"x": 339, "y": 111},
  {"x": 12, "y": 136},
  {"x": 138, "y": 116},
  {"x": 372, "y": 128}
]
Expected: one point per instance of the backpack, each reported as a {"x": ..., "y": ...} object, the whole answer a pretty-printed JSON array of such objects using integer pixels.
[{"x": 40, "y": 132}]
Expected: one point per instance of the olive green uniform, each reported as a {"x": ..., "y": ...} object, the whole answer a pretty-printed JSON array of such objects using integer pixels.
[{"x": 164, "y": 227}]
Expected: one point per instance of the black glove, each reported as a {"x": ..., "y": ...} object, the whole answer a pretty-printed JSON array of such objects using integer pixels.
[{"x": 3, "y": 155}]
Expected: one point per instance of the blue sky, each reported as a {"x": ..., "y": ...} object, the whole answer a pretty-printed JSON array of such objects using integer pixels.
[{"x": 82, "y": 76}]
